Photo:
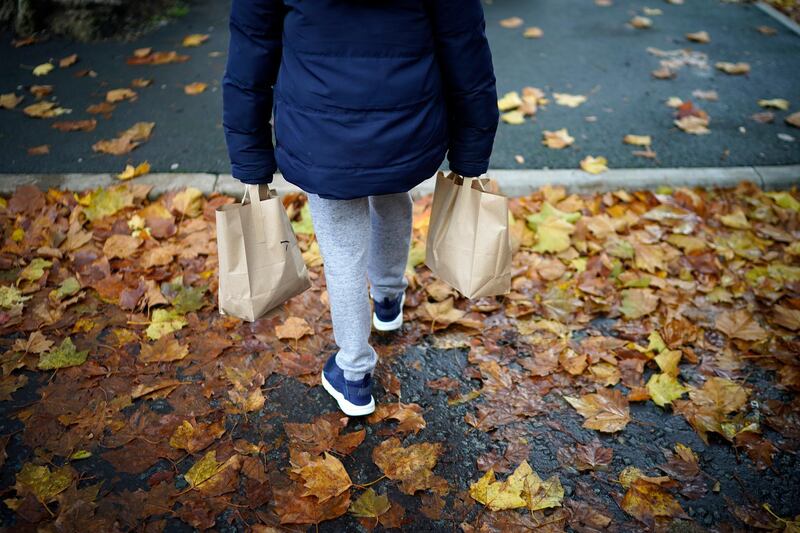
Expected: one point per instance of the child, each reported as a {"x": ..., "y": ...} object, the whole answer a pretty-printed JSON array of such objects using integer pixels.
[{"x": 367, "y": 97}]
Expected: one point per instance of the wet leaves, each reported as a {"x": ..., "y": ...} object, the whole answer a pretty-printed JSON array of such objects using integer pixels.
[{"x": 672, "y": 297}]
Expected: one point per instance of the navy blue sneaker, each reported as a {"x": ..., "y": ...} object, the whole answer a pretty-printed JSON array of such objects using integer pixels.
[
  {"x": 354, "y": 397},
  {"x": 388, "y": 314}
]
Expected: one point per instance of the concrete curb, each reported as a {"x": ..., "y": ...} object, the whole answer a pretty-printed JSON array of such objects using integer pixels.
[
  {"x": 512, "y": 182},
  {"x": 780, "y": 17}
]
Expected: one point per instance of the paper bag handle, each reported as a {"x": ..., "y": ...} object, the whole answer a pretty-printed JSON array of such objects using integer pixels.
[
  {"x": 458, "y": 179},
  {"x": 257, "y": 193}
]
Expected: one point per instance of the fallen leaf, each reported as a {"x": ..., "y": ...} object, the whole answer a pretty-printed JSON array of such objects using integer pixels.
[
  {"x": 43, "y": 69},
  {"x": 118, "y": 95},
  {"x": 557, "y": 139},
  {"x": 638, "y": 140},
  {"x": 195, "y": 39},
  {"x": 509, "y": 101},
  {"x": 64, "y": 356},
  {"x": 408, "y": 416},
  {"x": 699, "y": 37},
  {"x": 44, "y": 483},
  {"x": 133, "y": 172},
  {"x": 534, "y": 32},
  {"x": 606, "y": 411},
  {"x": 163, "y": 322},
  {"x": 569, "y": 100},
  {"x": 664, "y": 388},
  {"x": 195, "y": 436},
  {"x": 513, "y": 117},
  {"x": 293, "y": 328},
  {"x": 68, "y": 61},
  {"x": 646, "y": 501},
  {"x": 740, "y": 324},
  {"x": 733, "y": 68},
  {"x": 412, "y": 465},
  {"x": 10, "y": 100},
  {"x": 75, "y": 125},
  {"x": 511, "y": 22},
  {"x": 127, "y": 140},
  {"x": 39, "y": 150},
  {"x": 370, "y": 504},
  {"x": 594, "y": 165},
  {"x": 775, "y": 103},
  {"x": 45, "y": 110},
  {"x": 324, "y": 477},
  {"x": 637, "y": 303},
  {"x": 195, "y": 88}
]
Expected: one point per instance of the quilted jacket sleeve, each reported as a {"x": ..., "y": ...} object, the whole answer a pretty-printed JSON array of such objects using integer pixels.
[
  {"x": 254, "y": 57},
  {"x": 468, "y": 74}
]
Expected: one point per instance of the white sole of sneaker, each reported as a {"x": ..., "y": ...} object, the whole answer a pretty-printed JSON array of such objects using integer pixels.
[
  {"x": 350, "y": 409},
  {"x": 397, "y": 323}
]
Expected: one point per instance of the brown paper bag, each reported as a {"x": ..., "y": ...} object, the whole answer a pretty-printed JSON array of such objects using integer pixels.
[
  {"x": 260, "y": 264},
  {"x": 469, "y": 243}
]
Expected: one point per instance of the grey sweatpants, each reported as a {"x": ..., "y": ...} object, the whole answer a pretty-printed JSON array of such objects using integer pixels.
[{"x": 359, "y": 240}]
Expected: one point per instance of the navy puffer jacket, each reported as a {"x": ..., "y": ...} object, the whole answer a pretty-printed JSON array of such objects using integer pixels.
[{"x": 368, "y": 95}]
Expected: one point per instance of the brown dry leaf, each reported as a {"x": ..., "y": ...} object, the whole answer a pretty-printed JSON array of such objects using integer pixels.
[
  {"x": 122, "y": 246},
  {"x": 694, "y": 125},
  {"x": 141, "y": 83},
  {"x": 647, "y": 501},
  {"x": 195, "y": 88},
  {"x": 511, "y": 22},
  {"x": 166, "y": 349},
  {"x": 699, "y": 37},
  {"x": 408, "y": 416},
  {"x": 412, "y": 466},
  {"x": 293, "y": 508},
  {"x": 75, "y": 125},
  {"x": 195, "y": 39},
  {"x": 787, "y": 317},
  {"x": 145, "y": 56},
  {"x": 441, "y": 314},
  {"x": 793, "y": 119},
  {"x": 68, "y": 61},
  {"x": 10, "y": 100},
  {"x": 44, "y": 110},
  {"x": 740, "y": 324},
  {"x": 127, "y": 140},
  {"x": 118, "y": 95},
  {"x": 733, "y": 68},
  {"x": 294, "y": 328},
  {"x": 638, "y": 140},
  {"x": 324, "y": 477},
  {"x": 103, "y": 108},
  {"x": 194, "y": 436},
  {"x": 663, "y": 73},
  {"x": 593, "y": 456},
  {"x": 533, "y": 32},
  {"x": 606, "y": 411},
  {"x": 557, "y": 139},
  {"x": 43, "y": 149}
]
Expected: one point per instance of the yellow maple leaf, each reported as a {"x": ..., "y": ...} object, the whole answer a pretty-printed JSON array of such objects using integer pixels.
[
  {"x": 664, "y": 388},
  {"x": 594, "y": 165}
]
